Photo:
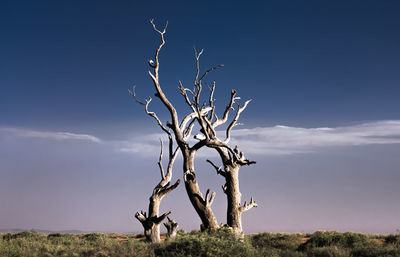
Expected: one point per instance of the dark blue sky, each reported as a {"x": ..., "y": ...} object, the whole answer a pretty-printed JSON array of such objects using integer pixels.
[
  {"x": 65, "y": 66},
  {"x": 303, "y": 62}
]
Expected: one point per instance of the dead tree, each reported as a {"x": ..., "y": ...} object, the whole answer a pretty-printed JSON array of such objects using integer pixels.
[
  {"x": 232, "y": 159},
  {"x": 230, "y": 172},
  {"x": 151, "y": 222},
  {"x": 172, "y": 228},
  {"x": 182, "y": 131}
]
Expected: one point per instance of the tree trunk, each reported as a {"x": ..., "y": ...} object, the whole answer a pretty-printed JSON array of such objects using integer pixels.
[
  {"x": 172, "y": 228},
  {"x": 151, "y": 223},
  {"x": 200, "y": 204},
  {"x": 234, "y": 213},
  {"x": 231, "y": 188}
]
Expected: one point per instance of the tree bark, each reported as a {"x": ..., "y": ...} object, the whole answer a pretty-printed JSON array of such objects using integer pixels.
[
  {"x": 234, "y": 215},
  {"x": 231, "y": 188},
  {"x": 151, "y": 222},
  {"x": 172, "y": 228},
  {"x": 201, "y": 204}
]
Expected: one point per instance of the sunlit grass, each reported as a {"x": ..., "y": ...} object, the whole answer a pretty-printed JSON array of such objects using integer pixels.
[{"x": 219, "y": 243}]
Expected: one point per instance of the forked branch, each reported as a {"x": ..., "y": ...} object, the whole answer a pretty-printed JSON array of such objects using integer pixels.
[
  {"x": 146, "y": 109},
  {"x": 159, "y": 92},
  {"x": 248, "y": 206},
  {"x": 209, "y": 200}
]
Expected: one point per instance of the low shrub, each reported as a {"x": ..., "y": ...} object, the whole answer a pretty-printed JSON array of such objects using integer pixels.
[
  {"x": 277, "y": 241},
  {"x": 24, "y": 234},
  {"x": 333, "y": 238},
  {"x": 93, "y": 237},
  {"x": 393, "y": 239},
  {"x": 328, "y": 251},
  {"x": 212, "y": 243},
  {"x": 374, "y": 251}
]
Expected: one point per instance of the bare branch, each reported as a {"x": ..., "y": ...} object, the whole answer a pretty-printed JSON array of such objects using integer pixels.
[
  {"x": 210, "y": 129},
  {"x": 209, "y": 200},
  {"x": 159, "y": 93},
  {"x": 248, "y": 206},
  {"x": 146, "y": 109},
  {"x": 158, "y": 220},
  {"x": 192, "y": 115},
  {"x": 211, "y": 69},
  {"x": 172, "y": 157},
  {"x": 234, "y": 121},
  {"x": 224, "y": 188},
  {"x": 229, "y": 107},
  {"x": 218, "y": 169},
  {"x": 156, "y": 64},
  {"x": 165, "y": 190},
  {"x": 160, "y": 162},
  {"x": 183, "y": 92},
  {"x": 197, "y": 56},
  {"x": 189, "y": 129},
  {"x": 141, "y": 216},
  {"x": 211, "y": 101}
]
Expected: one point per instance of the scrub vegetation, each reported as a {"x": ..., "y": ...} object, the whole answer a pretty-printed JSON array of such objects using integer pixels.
[{"x": 216, "y": 243}]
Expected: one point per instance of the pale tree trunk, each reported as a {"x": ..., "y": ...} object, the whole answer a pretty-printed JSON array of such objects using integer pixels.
[
  {"x": 235, "y": 209},
  {"x": 232, "y": 191}
]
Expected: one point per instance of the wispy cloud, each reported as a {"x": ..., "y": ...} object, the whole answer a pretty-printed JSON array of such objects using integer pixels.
[
  {"x": 18, "y": 132},
  {"x": 284, "y": 140},
  {"x": 276, "y": 140},
  {"x": 280, "y": 140}
]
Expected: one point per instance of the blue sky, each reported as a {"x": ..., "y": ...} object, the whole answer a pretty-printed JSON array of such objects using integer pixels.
[{"x": 323, "y": 124}]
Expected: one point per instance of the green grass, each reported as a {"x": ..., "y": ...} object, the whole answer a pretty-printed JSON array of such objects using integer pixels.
[{"x": 220, "y": 243}]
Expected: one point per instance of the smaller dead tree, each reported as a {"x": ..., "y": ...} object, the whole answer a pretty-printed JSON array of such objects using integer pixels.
[
  {"x": 172, "y": 227},
  {"x": 232, "y": 160},
  {"x": 151, "y": 222}
]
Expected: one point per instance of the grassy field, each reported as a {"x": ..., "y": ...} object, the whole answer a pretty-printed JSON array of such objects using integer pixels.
[{"x": 220, "y": 243}]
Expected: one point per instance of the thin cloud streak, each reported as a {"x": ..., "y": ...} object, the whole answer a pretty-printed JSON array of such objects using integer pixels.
[
  {"x": 277, "y": 140},
  {"x": 284, "y": 140},
  {"x": 281, "y": 140},
  {"x": 49, "y": 135}
]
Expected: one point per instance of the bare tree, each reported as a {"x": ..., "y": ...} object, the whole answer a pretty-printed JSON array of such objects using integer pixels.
[
  {"x": 230, "y": 171},
  {"x": 151, "y": 222},
  {"x": 205, "y": 115},
  {"x": 232, "y": 159},
  {"x": 182, "y": 131}
]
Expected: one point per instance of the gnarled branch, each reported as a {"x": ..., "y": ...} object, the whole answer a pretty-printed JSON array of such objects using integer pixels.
[
  {"x": 248, "y": 206},
  {"x": 159, "y": 92}
]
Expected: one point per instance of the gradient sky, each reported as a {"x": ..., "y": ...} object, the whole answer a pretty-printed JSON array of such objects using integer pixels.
[{"x": 76, "y": 152}]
